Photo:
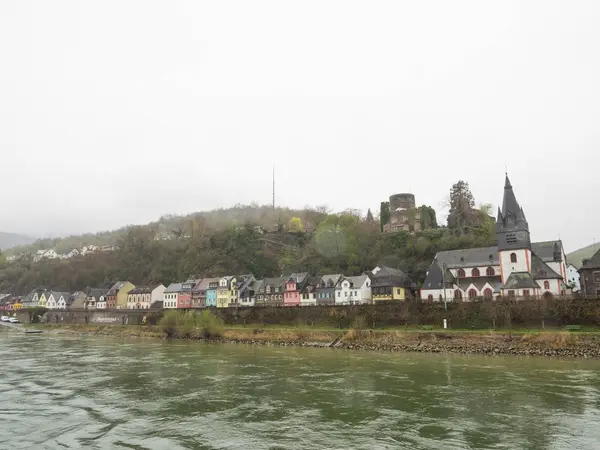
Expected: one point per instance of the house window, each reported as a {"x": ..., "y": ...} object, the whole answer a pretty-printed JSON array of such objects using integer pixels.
[
  {"x": 543, "y": 273},
  {"x": 346, "y": 294},
  {"x": 487, "y": 293},
  {"x": 475, "y": 272},
  {"x": 398, "y": 291},
  {"x": 596, "y": 277},
  {"x": 457, "y": 294},
  {"x": 525, "y": 292},
  {"x": 461, "y": 273},
  {"x": 339, "y": 293},
  {"x": 511, "y": 293},
  {"x": 513, "y": 257},
  {"x": 546, "y": 284},
  {"x": 472, "y": 293},
  {"x": 597, "y": 292},
  {"x": 490, "y": 272},
  {"x": 430, "y": 297}
]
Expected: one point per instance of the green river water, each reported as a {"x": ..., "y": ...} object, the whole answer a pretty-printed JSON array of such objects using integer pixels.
[{"x": 61, "y": 392}]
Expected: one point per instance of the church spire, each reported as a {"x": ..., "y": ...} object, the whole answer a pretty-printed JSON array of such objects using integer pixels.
[
  {"x": 512, "y": 229},
  {"x": 510, "y": 206}
]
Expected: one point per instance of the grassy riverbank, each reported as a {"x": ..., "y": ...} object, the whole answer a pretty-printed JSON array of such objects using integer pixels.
[{"x": 517, "y": 342}]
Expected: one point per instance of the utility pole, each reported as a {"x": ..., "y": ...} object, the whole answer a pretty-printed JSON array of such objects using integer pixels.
[
  {"x": 444, "y": 286},
  {"x": 273, "y": 187}
]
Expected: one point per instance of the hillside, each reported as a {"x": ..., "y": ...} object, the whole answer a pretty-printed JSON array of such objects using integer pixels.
[
  {"x": 172, "y": 226},
  {"x": 585, "y": 252},
  {"x": 10, "y": 240}
]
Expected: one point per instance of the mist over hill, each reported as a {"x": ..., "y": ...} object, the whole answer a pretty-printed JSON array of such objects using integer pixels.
[
  {"x": 577, "y": 256},
  {"x": 175, "y": 225},
  {"x": 10, "y": 240}
]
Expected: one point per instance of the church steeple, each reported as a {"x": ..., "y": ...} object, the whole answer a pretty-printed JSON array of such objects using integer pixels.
[{"x": 512, "y": 229}]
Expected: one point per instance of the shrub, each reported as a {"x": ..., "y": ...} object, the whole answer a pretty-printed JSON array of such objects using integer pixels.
[{"x": 188, "y": 324}]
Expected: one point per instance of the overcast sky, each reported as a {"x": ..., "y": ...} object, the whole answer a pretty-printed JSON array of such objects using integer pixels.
[{"x": 116, "y": 112}]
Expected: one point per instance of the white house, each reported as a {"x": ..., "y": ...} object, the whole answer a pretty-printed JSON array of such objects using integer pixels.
[
  {"x": 157, "y": 294},
  {"x": 516, "y": 267},
  {"x": 573, "y": 278},
  {"x": 47, "y": 254},
  {"x": 353, "y": 291},
  {"x": 62, "y": 299},
  {"x": 51, "y": 301},
  {"x": 74, "y": 252},
  {"x": 86, "y": 249},
  {"x": 170, "y": 295},
  {"x": 101, "y": 302}
]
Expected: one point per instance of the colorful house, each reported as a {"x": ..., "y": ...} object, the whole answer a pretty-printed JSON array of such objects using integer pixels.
[
  {"x": 184, "y": 297},
  {"x": 116, "y": 297},
  {"x": 63, "y": 299},
  {"x": 389, "y": 284},
  {"x": 139, "y": 297},
  {"x": 270, "y": 292},
  {"x": 226, "y": 291},
  {"x": 245, "y": 290},
  {"x": 293, "y": 286},
  {"x": 308, "y": 295},
  {"x": 170, "y": 296},
  {"x": 211, "y": 292},
  {"x": 43, "y": 300},
  {"x": 325, "y": 290},
  {"x": 200, "y": 290}
]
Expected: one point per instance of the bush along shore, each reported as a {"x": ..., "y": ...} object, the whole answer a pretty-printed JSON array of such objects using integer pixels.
[{"x": 210, "y": 328}]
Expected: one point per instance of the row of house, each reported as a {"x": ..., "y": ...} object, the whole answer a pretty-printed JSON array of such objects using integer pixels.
[{"x": 297, "y": 289}]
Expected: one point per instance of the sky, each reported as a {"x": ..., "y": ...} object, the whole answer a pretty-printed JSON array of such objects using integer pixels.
[{"x": 117, "y": 112}]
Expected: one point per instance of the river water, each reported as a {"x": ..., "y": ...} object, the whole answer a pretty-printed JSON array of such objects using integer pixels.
[{"x": 88, "y": 392}]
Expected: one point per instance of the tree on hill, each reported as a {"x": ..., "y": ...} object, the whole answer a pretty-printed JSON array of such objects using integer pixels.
[
  {"x": 461, "y": 203},
  {"x": 428, "y": 217},
  {"x": 384, "y": 214},
  {"x": 370, "y": 216}
]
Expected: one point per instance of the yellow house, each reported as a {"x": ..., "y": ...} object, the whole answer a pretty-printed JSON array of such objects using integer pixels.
[
  {"x": 42, "y": 301},
  {"x": 119, "y": 292},
  {"x": 226, "y": 292},
  {"x": 17, "y": 305},
  {"x": 389, "y": 284}
]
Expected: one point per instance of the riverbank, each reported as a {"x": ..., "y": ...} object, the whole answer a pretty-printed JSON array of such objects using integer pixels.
[{"x": 542, "y": 343}]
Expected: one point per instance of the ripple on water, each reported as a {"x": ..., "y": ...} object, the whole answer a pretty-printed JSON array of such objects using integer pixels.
[{"x": 110, "y": 393}]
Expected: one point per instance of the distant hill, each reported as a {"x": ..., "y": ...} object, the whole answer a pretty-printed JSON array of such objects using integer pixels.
[
  {"x": 178, "y": 225},
  {"x": 9, "y": 240},
  {"x": 583, "y": 253}
]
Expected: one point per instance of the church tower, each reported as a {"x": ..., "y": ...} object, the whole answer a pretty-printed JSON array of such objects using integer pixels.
[{"x": 512, "y": 233}]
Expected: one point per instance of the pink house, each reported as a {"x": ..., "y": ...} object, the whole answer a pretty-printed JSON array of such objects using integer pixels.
[{"x": 293, "y": 285}]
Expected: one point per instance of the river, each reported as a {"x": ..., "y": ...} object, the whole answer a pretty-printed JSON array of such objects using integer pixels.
[{"x": 87, "y": 392}]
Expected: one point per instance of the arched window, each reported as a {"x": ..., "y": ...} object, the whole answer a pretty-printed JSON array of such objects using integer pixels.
[
  {"x": 490, "y": 272},
  {"x": 461, "y": 273},
  {"x": 475, "y": 272},
  {"x": 457, "y": 294},
  {"x": 472, "y": 293},
  {"x": 513, "y": 257},
  {"x": 546, "y": 285},
  {"x": 430, "y": 297},
  {"x": 487, "y": 293}
]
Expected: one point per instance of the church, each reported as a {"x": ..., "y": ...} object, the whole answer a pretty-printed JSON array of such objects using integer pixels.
[{"x": 516, "y": 267}]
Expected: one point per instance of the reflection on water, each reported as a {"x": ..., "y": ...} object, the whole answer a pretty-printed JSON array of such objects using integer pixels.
[{"x": 73, "y": 392}]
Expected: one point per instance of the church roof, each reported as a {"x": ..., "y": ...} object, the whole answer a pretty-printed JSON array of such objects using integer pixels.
[
  {"x": 469, "y": 257},
  {"x": 435, "y": 279},
  {"x": 520, "y": 280},
  {"x": 541, "y": 270},
  {"x": 545, "y": 250},
  {"x": 480, "y": 282}
]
